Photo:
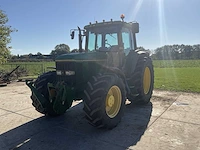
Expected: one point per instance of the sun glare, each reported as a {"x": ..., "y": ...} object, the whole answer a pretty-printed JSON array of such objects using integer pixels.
[
  {"x": 163, "y": 33},
  {"x": 162, "y": 23},
  {"x": 136, "y": 9}
]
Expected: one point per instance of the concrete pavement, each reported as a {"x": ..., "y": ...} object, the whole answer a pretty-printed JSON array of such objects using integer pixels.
[{"x": 170, "y": 121}]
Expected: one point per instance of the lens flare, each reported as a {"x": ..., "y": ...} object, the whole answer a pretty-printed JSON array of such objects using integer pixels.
[
  {"x": 164, "y": 37},
  {"x": 162, "y": 23},
  {"x": 136, "y": 9}
]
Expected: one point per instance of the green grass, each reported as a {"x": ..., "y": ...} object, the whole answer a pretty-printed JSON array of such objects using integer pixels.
[
  {"x": 176, "y": 63},
  {"x": 177, "y": 79},
  {"x": 33, "y": 68},
  {"x": 46, "y": 64},
  {"x": 177, "y": 75}
]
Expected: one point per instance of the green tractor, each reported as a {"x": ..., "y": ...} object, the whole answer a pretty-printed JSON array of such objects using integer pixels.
[{"x": 104, "y": 75}]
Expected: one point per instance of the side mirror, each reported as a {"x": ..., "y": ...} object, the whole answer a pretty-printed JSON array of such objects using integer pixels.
[
  {"x": 72, "y": 35},
  {"x": 135, "y": 27}
]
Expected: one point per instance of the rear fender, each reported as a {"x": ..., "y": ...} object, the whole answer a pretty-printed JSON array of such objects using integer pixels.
[{"x": 138, "y": 53}]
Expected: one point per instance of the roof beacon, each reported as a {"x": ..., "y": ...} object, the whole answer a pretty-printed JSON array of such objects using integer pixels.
[{"x": 122, "y": 17}]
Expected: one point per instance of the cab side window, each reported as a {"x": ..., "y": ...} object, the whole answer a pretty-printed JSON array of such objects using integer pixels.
[{"x": 126, "y": 39}]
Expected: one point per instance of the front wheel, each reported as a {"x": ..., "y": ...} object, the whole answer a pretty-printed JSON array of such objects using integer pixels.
[
  {"x": 104, "y": 100},
  {"x": 41, "y": 87}
]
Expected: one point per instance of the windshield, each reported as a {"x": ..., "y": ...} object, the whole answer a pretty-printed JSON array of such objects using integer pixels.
[{"x": 101, "y": 41}]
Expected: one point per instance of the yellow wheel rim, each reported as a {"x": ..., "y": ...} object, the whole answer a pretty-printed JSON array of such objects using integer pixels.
[
  {"x": 113, "y": 101},
  {"x": 146, "y": 80}
]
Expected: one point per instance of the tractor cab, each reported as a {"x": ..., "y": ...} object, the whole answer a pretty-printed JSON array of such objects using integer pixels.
[
  {"x": 117, "y": 38},
  {"x": 111, "y": 36}
]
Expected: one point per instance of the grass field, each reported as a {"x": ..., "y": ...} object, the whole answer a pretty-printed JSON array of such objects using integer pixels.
[
  {"x": 176, "y": 63},
  {"x": 33, "y": 68},
  {"x": 176, "y": 75},
  {"x": 177, "y": 79}
]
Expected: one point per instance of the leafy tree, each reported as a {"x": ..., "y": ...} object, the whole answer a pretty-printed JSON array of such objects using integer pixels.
[
  {"x": 188, "y": 51},
  {"x": 74, "y": 51},
  {"x": 59, "y": 50},
  {"x": 177, "y": 52},
  {"x": 14, "y": 57},
  {"x": 39, "y": 54},
  {"x": 5, "y": 38},
  {"x": 196, "y": 51}
]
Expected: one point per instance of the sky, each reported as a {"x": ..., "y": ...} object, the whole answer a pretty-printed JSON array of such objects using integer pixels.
[{"x": 43, "y": 24}]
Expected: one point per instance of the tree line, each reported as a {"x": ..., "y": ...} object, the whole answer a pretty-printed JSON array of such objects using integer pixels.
[
  {"x": 58, "y": 50},
  {"x": 176, "y": 52},
  {"x": 167, "y": 52}
]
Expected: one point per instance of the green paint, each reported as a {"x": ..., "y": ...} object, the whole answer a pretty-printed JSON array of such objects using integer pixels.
[
  {"x": 64, "y": 98},
  {"x": 82, "y": 57}
]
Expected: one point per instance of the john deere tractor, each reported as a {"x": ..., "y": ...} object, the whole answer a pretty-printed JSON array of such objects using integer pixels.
[{"x": 107, "y": 72}]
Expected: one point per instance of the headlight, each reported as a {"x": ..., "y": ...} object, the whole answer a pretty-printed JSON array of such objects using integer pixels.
[
  {"x": 69, "y": 73},
  {"x": 59, "y": 72}
]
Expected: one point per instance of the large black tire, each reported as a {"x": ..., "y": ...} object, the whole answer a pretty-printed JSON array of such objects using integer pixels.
[
  {"x": 104, "y": 100},
  {"x": 41, "y": 86},
  {"x": 142, "y": 80}
]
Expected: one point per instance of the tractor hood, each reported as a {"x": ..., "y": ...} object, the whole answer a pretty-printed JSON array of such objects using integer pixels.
[{"x": 79, "y": 57}]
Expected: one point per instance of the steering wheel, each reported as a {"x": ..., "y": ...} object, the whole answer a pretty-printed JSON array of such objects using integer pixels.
[{"x": 108, "y": 44}]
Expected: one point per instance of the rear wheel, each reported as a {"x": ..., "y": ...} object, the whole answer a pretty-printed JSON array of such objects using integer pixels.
[
  {"x": 41, "y": 87},
  {"x": 104, "y": 101},
  {"x": 142, "y": 80}
]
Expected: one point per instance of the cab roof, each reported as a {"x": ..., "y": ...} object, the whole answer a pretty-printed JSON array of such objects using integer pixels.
[{"x": 134, "y": 26}]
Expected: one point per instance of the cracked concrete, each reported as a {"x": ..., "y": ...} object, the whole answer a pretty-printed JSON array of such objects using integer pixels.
[{"x": 170, "y": 121}]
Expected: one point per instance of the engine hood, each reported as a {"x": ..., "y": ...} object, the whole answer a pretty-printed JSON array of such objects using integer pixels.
[{"x": 88, "y": 56}]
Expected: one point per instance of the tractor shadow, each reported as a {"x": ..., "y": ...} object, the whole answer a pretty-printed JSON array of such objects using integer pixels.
[{"x": 71, "y": 131}]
